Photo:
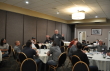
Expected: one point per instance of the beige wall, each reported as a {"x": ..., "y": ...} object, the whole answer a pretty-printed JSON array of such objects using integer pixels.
[{"x": 92, "y": 38}]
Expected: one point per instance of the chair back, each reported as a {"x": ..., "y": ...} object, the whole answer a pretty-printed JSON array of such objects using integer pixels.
[
  {"x": 42, "y": 47},
  {"x": 14, "y": 54},
  {"x": 62, "y": 48},
  {"x": 75, "y": 59},
  {"x": 62, "y": 59},
  {"x": 9, "y": 50},
  {"x": 22, "y": 57},
  {"x": 28, "y": 65},
  {"x": 80, "y": 66},
  {"x": 67, "y": 51},
  {"x": 23, "y": 46},
  {"x": 37, "y": 46},
  {"x": 62, "y": 43}
]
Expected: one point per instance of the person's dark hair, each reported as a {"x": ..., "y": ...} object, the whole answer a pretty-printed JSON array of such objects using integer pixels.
[
  {"x": 1, "y": 43},
  {"x": 28, "y": 43},
  {"x": 79, "y": 45},
  {"x": 33, "y": 38},
  {"x": 54, "y": 43}
]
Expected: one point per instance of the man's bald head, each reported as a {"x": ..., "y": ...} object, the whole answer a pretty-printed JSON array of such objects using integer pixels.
[
  {"x": 100, "y": 42},
  {"x": 17, "y": 43},
  {"x": 56, "y": 31}
]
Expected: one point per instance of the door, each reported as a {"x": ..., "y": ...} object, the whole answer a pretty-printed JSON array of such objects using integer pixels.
[
  {"x": 81, "y": 36},
  {"x": 109, "y": 39}
]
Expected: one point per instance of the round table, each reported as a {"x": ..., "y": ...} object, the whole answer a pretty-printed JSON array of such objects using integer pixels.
[
  {"x": 66, "y": 43},
  {"x": 96, "y": 59},
  {"x": 47, "y": 44},
  {"x": 43, "y": 55}
]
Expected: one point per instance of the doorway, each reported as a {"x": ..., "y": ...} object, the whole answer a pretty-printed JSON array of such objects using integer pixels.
[
  {"x": 81, "y": 36},
  {"x": 109, "y": 40}
]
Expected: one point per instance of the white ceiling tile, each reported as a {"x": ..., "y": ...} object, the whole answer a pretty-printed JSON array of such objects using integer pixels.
[
  {"x": 2, "y": 0},
  {"x": 95, "y": 7}
]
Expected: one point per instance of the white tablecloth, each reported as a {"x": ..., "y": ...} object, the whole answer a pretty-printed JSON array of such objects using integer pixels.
[
  {"x": 66, "y": 43},
  {"x": 43, "y": 55},
  {"x": 98, "y": 60}
]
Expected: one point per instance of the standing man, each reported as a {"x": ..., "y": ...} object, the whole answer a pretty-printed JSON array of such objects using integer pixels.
[{"x": 57, "y": 38}]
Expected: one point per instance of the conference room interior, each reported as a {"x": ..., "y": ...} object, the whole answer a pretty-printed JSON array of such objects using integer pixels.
[{"x": 21, "y": 21}]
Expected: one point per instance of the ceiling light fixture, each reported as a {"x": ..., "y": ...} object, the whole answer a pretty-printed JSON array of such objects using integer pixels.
[
  {"x": 57, "y": 12},
  {"x": 78, "y": 15},
  {"x": 27, "y": 2},
  {"x": 96, "y": 16}
]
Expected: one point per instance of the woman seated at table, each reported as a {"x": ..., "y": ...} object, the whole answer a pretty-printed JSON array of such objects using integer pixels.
[
  {"x": 55, "y": 51},
  {"x": 4, "y": 47},
  {"x": 47, "y": 39},
  {"x": 73, "y": 42}
]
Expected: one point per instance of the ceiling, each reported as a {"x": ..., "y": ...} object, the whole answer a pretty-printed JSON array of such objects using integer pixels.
[{"x": 92, "y": 8}]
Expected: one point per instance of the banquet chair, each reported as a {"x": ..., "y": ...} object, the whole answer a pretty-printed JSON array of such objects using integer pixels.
[
  {"x": 75, "y": 59},
  {"x": 80, "y": 66},
  {"x": 67, "y": 52},
  {"x": 22, "y": 57},
  {"x": 62, "y": 48},
  {"x": 28, "y": 65},
  {"x": 15, "y": 57},
  {"x": 61, "y": 61},
  {"x": 37, "y": 46},
  {"x": 23, "y": 46},
  {"x": 9, "y": 53},
  {"x": 42, "y": 47},
  {"x": 62, "y": 43}
]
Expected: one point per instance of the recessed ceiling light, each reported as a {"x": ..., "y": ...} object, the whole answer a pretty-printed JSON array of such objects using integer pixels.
[
  {"x": 96, "y": 16},
  {"x": 57, "y": 12},
  {"x": 27, "y": 2}
]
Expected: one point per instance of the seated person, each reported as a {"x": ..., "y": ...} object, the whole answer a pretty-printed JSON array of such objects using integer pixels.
[
  {"x": 17, "y": 48},
  {"x": 4, "y": 47},
  {"x": 33, "y": 40},
  {"x": 87, "y": 42},
  {"x": 47, "y": 39},
  {"x": 101, "y": 47},
  {"x": 72, "y": 50},
  {"x": 72, "y": 42},
  {"x": 55, "y": 51},
  {"x": 31, "y": 52},
  {"x": 83, "y": 43},
  {"x": 108, "y": 53},
  {"x": 83, "y": 56}
]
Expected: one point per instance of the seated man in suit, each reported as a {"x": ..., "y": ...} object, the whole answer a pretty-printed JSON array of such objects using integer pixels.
[
  {"x": 31, "y": 52},
  {"x": 17, "y": 48},
  {"x": 83, "y": 56},
  {"x": 101, "y": 47}
]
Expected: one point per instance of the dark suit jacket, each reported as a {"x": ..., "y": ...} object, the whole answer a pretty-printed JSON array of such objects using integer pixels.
[{"x": 82, "y": 56}]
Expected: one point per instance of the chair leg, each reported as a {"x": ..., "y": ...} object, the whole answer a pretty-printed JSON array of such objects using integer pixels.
[
  {"x": 63, "y": 68},
  {"x": 68, "y": 63},
  {"x": 54, "y": 69}
]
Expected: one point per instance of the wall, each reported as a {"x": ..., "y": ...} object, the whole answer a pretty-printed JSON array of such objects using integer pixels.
[
  {"x": 14, "y": 26},
  {"x": 92, "y": 38}
]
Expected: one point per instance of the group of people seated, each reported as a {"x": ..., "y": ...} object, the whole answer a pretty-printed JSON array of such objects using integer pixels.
[
  {"x": 75, "y": 48},
  {"x": 30, "y": 52}
]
